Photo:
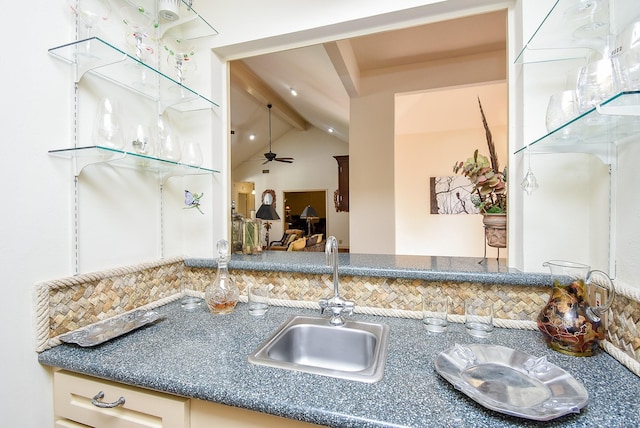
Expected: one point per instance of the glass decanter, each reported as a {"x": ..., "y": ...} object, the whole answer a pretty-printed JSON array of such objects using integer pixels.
[{"x": 222, "y": 294}]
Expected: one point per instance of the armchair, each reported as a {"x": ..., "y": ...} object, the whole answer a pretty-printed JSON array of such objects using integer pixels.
[{"x": 289, "y": 236}]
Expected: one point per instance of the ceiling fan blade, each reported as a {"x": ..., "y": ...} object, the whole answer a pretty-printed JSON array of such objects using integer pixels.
[{"x": 285, "y": 160}]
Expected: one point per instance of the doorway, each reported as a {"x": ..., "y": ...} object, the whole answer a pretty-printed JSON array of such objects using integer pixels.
[
  {"x": 296, "y": 201},
  {"x": 244, "y": 198}
]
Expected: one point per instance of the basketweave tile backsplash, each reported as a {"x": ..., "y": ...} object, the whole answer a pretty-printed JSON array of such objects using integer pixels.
[{"x": 71, "y": 303}]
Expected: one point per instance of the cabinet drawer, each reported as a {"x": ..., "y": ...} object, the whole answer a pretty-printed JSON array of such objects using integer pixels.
[
  {"x": 205, "y": 414},
  {"x": 66, "y": 423},
  {"x": 142, "y": 408}
]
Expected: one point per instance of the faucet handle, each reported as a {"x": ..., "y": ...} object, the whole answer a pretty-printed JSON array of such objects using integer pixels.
[
  {"x": 324, "y": 304},
  {"x": 349, "y": 306}
]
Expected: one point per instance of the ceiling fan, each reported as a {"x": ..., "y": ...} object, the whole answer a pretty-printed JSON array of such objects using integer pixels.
[{"x": 270, "y": 156}]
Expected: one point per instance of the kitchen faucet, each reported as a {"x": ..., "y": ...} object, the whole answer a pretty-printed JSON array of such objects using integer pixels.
[{"x": 335, "y": 304}]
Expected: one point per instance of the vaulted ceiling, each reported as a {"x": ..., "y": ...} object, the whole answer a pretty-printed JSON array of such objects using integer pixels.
[{"x": 325, "y": 80}]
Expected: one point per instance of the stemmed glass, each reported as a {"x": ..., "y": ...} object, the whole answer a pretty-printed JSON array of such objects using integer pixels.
[
  {"x": 561, "y": 109},
  {"x": 595, "y": 83},
  {"x": 107, "y": 131},
  {"x": 141, "y": 140},
  {"x": 191, "y": 153},
  {"x": 180, "y": 55},
  {"x": 91, "y": 13},
  {"x": 168, "y": 143},
  {"x": 139, "y": 24},
  {"x": 139, "y": 36}
]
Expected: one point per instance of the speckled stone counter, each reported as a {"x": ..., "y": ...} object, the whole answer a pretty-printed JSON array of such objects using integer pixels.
[
  {"x": 200, "y": 355},
  {"x": 460, "y": 269}
]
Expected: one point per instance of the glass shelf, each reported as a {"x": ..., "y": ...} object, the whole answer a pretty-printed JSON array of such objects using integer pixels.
[
  {"x": 593, "y": 131},
  {"x": 563, "y": 34},
  {"x": 84, "y": 156},
  {"x": 192, "y": 24},
  {"x": 109, "y": 62}
]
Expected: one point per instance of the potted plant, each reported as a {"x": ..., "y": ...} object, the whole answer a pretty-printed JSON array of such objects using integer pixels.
[{"x": 489, "y": 192}]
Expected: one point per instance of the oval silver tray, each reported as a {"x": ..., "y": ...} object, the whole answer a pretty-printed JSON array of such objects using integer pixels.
[
  {"x": 511, "y": 381},
  {"x": 108, "y": 329}
]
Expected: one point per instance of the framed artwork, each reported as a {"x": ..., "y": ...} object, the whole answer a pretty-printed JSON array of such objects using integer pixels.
[{"x": 451, "y": 195}]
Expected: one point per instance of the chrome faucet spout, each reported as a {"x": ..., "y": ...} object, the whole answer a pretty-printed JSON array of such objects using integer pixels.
[
  {"x": 336, "y": 304},
  {"x": 331, "y": 256}
]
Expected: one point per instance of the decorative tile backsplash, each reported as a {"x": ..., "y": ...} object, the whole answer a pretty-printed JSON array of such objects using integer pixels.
[{"x": 68, "y": 304}]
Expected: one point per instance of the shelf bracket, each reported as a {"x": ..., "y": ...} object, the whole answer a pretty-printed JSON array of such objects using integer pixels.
[
  {"x": 618, "y": 110},
  {"x": 80, "y": 163}
]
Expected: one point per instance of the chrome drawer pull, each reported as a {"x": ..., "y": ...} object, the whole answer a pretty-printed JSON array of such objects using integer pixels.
[{"x": 100, "y": 396}]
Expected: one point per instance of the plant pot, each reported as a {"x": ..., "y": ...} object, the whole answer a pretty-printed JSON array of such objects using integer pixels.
[{"x": 495, "y": 229}]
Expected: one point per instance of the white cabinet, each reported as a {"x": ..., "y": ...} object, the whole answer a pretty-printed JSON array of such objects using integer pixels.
[
  {"x": 77, "y": 401},
  {"x": 205, "y": 414}
]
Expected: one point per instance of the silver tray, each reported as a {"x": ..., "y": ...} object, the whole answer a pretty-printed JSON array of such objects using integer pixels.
[
  {"x": 512, "y": 382},
  {"x": 102, "y": 331}
]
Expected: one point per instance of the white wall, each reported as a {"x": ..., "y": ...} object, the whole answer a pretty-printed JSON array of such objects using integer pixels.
[
  {"x": 119, "y": 209},
  {"x": 373, "y": 167},
  {"x": 35, "y": 216},
  {"x": 434, "y": 130},
  {"x": 371, "y": 175},
  {"x": 314, "y": 168}
]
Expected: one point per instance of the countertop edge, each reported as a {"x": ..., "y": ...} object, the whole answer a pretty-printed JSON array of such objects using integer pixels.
[{"x": 459, "y": 269}]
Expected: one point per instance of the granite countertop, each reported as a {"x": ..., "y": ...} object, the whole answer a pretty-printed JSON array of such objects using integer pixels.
[
  {"x": 431, "y": 268},
  {"x": 197, "y": 354}
]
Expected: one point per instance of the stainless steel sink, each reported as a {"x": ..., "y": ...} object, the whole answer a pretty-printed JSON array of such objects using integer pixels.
[{"x": 354, "y": 351}]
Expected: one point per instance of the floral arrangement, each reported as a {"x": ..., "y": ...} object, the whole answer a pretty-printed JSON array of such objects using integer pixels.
[{"x": 489, "y": 183}]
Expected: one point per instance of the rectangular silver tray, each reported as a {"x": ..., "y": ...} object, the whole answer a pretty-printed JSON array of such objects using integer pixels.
[
  {"x": 511, "y": 381},
  {"x": 108, "y": 329}
]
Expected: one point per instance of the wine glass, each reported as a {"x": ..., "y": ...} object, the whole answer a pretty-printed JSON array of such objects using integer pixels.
[
  {"x": 168, "y": 143},
  {"x": 560, "y": 110},
  {"x": 191, "y": 153},
  {"x": 141, "y": 140},
  {"x": 595, "y": 84},
  {"x": 169, "y": 148},
  {"x": 91, "y": 13},
  {"x": 107, "y": 131}
]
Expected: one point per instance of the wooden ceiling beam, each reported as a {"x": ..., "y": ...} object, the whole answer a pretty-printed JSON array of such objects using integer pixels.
[
  {"x": 245, "y": 79},
  {"x": 344, "y": 61}
]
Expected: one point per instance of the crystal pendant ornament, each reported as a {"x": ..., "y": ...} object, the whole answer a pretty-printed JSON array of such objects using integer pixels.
[{"x": 529, "y": 183}]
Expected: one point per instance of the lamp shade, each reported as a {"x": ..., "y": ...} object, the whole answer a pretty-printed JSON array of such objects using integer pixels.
[
  {"x": 308, "y": 212},
  {"x": 267, "y": 212}
]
